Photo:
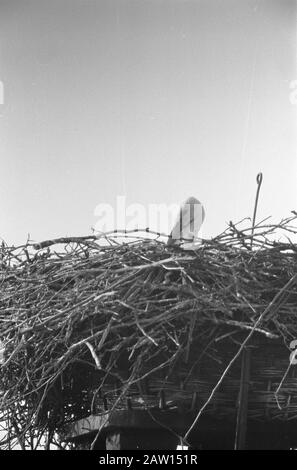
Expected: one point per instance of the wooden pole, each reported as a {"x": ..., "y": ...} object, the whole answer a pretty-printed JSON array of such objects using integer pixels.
[{"x": 241, "y": 423}]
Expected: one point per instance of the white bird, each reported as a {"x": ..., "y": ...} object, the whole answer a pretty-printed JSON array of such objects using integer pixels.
[{"x": 188, "y": 223}]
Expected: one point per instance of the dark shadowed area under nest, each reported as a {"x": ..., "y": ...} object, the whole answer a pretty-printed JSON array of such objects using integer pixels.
[{"x": 90, "y": 323}]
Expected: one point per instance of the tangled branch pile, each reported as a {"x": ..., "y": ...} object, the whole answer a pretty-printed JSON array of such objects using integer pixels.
[{"x": 77, "y": 312}]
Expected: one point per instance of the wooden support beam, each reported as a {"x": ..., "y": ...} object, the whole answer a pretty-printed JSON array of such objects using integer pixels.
[
  {"x": 159, "y": 439},
  {"x": 194, "y": 401},
  {"x": 162, "y": 400},
  {"x": 128, "y": 419},
  {"x": 241, "y": 423},
  {"x": 114, "y": 441}
]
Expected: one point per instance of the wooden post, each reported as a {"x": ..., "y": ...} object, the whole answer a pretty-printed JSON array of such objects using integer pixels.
[
  {"x": 131, "y": 429},
  {"x": 113, "y": 441},
  {"x": 132, "y": 439},
  {"x": 241, "y": 423}
]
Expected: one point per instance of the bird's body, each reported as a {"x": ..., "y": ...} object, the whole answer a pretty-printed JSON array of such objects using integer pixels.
[{"x": 188, "y": 223}]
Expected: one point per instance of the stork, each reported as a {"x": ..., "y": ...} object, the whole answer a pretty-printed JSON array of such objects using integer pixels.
[{"x": 188, "y": 224}]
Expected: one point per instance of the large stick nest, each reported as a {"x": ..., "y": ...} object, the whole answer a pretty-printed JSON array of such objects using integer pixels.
[{"x": 78, "y": 308}]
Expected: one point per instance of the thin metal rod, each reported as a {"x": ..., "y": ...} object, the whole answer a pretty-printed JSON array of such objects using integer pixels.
[
  {"x": 241, "y": 423},
  {"x": 259, "y": 180}
]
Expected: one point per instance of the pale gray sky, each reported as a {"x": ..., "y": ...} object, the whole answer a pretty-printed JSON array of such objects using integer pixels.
[{"x": 153, "y": 99}]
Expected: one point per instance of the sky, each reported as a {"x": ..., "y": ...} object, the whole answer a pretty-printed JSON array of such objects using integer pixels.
[{"x": 151, "y": 100}]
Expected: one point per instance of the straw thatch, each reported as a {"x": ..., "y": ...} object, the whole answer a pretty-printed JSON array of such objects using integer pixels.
[{"x": 87, "y": 322}]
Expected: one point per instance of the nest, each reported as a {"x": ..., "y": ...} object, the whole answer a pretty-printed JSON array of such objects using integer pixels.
[{"x": 87, "y": 323}]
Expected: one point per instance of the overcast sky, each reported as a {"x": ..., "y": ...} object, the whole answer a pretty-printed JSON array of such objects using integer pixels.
[{"x": 156, "y": 100}]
